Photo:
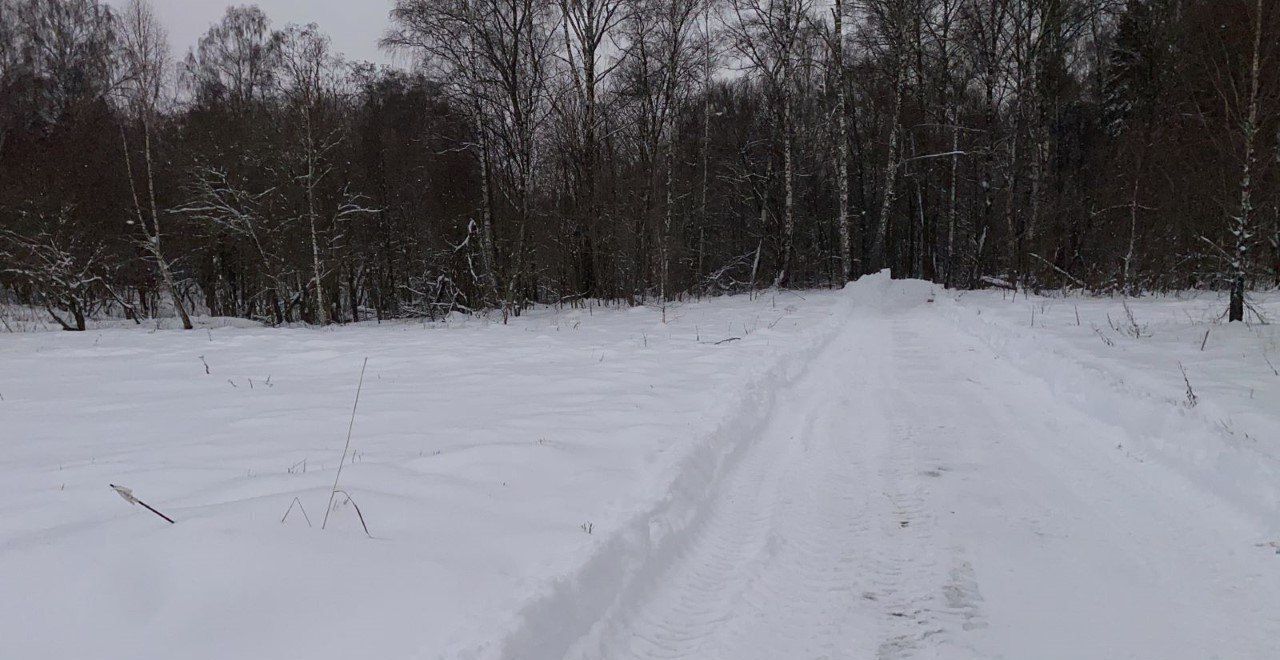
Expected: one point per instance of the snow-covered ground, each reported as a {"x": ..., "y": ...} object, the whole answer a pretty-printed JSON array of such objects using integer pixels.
[{"x": 888, "y": 471}]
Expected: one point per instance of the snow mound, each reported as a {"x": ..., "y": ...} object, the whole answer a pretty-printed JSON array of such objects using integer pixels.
[{"x": 882, "y": 292}]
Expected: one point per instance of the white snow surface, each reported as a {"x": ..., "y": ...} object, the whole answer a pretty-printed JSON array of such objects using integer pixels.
[{"x": 888, "y": 471}]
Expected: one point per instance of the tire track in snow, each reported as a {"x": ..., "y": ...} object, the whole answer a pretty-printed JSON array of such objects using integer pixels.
[
  {"x": 942, "y": 598},
  {"x": 909, "y": 465},
  {"x": 820, "y": 544},
  {"x": 763, "y": 539}
]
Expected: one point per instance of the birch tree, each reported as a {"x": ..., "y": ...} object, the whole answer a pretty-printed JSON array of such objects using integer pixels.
[
  {"x": 675, "y": 33},
  {"x": 941, "y": 23},
  {"x": 145, "y": 63},
  {"x": 766, "y": 34},
  {"x": 891, "y": 19},
  {"x": 1242, "y": 225},
  {"x": 308, "y": 80},
  {"x": 835, "y": 43}
]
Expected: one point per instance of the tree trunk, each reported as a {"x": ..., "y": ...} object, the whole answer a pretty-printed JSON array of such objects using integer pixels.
[
  {"x": 664, "y": 286},
  {"x": 949, "y": 278},
  {"x": 321, "y": 317},
  {"x": 890, "y": 173},
  {"x": 706, "y": 136},
  {"x": 151, "y": 233},
  {"x": 1243, "y": 229},
  {"x": 163, "y": 263},
  {"x": 842, "y": 147},
  {"x": 488, "y": 252},
  {"x": 788, "y": 175}
]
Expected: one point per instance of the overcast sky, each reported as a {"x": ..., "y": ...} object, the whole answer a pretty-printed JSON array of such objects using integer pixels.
[{"x": 354, "y": 25}]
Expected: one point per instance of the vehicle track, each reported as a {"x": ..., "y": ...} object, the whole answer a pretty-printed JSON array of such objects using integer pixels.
[
  {"x": 819, "y": 544},
  {"x": 915, "y": 494}
]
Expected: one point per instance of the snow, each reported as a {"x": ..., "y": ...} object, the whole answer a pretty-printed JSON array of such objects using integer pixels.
[
  {"x": 1229, "y": 441},
  {"x": 479, "y": 450},
  {"x": 888, "y": 471}
]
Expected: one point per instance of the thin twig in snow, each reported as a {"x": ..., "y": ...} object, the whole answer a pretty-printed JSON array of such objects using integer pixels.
[
  {"x": 1268, "y": 359},
  {"x": 350, "y": 426},
  {"x": 1192, "y": 399},
  {"x": 355, "y": 506},
  {"x": 300, "y": 508}
]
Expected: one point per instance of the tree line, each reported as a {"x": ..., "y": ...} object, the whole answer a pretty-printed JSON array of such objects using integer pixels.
[{"x": 633, "y": 150}]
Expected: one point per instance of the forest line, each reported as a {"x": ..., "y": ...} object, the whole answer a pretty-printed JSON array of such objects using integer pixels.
[{"x": 633, "y": 150}]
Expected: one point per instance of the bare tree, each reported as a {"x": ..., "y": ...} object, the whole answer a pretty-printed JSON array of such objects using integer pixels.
[
  {"x": 499, "y": 51},
  {"x": 544, "y": 151},
  {"x": 236, "y": 60},
  {"x": 942, "y": 26},
  {"x": 71, "y": 45},
  {"x": 892, "y": 19},
  {"x": 144, "y": 68},
  {"x": 216, "y": 199},
  {"x": 309, "y": 81},
  {"x": 450, "y": 40},
  {"x": 1242, "y": 226},
  {"x": 766, "y": 33},
  {"x": 60, "y": 265},
  {"x": 10, "y": 62},
  {"x": 985, "y": 24},
  {"x": 673, "y": 30},
  {"x": 588, "y": 27},
  {"x": 835, "y": 44}
]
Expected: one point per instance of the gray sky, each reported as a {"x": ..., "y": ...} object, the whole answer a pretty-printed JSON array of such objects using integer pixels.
[{"x": 354, "y": 25}]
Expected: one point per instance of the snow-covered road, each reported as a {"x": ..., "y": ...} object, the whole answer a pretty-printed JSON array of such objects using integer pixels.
[
  {"x": 915, "y": 496},
  {"x": 888, "y": 471}
]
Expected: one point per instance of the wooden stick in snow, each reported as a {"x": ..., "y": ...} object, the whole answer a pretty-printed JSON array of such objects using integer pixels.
[{"x": 127, "y": 495}]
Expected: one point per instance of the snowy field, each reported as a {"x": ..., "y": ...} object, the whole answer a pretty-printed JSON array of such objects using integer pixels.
[{"x": 888, "y": 471}]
